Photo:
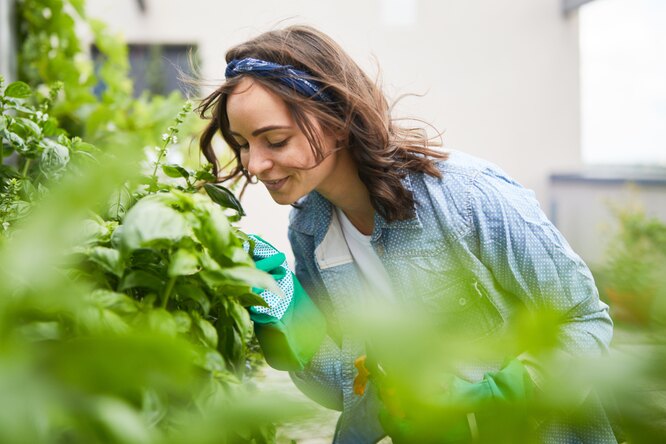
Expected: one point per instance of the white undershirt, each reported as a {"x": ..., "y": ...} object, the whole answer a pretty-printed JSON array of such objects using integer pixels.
[{"x": 372, "y": 270}]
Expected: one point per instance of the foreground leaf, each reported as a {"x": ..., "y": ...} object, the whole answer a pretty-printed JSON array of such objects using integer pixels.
[{"x": 223, "y": 197}]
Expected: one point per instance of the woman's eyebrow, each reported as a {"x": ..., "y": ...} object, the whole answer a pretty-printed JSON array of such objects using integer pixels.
[{"x": 263, "y": 129}]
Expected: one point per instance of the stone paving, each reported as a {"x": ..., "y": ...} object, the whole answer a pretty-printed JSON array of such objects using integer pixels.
[{"x": 317, "y": 429}]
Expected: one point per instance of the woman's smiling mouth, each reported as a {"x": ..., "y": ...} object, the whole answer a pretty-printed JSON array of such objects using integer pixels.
[{"x": 274, "y": 185}]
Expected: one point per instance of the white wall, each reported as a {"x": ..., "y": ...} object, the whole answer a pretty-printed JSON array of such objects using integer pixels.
[
  {"x": 7, "y": 41},
  {"x": 501, "y": 77},
  {"x": 584, "y": 209}
]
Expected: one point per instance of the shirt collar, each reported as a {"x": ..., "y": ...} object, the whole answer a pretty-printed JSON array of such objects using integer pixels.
[{"x": 314, "y": 212}]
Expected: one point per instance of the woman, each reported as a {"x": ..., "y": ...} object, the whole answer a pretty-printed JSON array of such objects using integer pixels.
[{"x": 377, "y": 210}]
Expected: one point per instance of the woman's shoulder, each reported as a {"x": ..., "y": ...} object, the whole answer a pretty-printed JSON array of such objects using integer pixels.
[
  {"x": 468, "y": 185},
  {"x": 459, "y": 172},
  {"x": 459, "y": 163}
]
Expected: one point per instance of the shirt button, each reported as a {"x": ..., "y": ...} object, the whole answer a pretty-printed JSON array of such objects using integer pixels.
[{"x": 462, "y": 301}]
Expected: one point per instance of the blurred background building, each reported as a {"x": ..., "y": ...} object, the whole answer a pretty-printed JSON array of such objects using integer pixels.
[{"x": 567, "y": 96}]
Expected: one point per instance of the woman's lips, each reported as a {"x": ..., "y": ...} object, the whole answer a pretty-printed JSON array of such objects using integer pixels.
[{"x": 274, "y": 185}]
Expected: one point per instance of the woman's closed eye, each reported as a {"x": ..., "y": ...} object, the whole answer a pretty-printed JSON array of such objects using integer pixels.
[{"x": 279, "y": 143}]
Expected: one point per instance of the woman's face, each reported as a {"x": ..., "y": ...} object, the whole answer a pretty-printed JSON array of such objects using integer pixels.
[{"x": 272, "y": 146}]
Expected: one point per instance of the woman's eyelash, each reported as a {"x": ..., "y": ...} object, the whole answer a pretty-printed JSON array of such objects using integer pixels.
[{"x": 278, "y": 144}]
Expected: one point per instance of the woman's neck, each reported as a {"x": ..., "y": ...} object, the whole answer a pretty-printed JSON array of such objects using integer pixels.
[{"x": 346, "y": 191}]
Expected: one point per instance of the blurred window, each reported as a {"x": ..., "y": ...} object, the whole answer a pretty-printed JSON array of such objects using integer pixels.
[
  {"x": 623, "y": 82},
  {"x": 157, "y": 68}
]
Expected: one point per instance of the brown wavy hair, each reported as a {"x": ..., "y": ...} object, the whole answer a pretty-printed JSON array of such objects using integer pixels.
[{"x": 384, "y": 152}]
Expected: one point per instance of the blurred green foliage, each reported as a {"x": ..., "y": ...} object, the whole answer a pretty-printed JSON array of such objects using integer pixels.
[
  {"x": 633, "y": 276},
  {"x": 51, "y": 52},
  {"x": 632, "y": 280},
  {"x": 124, "y": 284}
]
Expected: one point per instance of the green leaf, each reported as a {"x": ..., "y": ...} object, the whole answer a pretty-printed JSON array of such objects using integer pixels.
[
  {"x": 7, "y": 172},
  {"x": 50, "y": 127},
  {"x": 212, "y": 361},
  {"x": 204, "y": 175},
  {"x": 107, "y": 258},
  {"x": 161, "y": 321},
  {"x": 195, "y": 293},
  {"x": 20, "y": 108},
  {"x": 175, "y": 171},
  {"x": 245, "y": 275},
  {"x": 90, "y": 232},
  {"x": 214, "y": 232},
  {"x": 41, "y": 331},
  {"x": 119, "y": 302},
  {"x": 141, "y": 279},
  {"x": 30, "y": 193},
  {"x": 17, "y": 141},
  {"x": 183, "y": 263},
  {"x": 7, "y": 149},
  {"x": 223, "y": 197},
  {"x": 102, "y": 320},
  {"x": 54, "y": 157},
  {"x": 123, "y": 423},
  {"x": 207, "y": 333},
  {"x": 18, "y": 90},
  {"x": 234, "y": 346},
  {"x": 183, "y": 321},
  {"x": 242, "y": 319},
  {"x": 28, "y": 126},
  {"x": 251, "y": 299},
  {"x": 152, "y": 223}
]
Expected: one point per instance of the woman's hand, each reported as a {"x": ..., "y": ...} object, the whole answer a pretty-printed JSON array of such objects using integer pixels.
[
  {"x": 291, "y": 328},
  {"x": 447, "y": 413}
]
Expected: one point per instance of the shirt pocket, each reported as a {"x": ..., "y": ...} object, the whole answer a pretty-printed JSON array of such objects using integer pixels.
[
  {"x": 463, "y": 308},
  {"x": 456, "y": 300}
]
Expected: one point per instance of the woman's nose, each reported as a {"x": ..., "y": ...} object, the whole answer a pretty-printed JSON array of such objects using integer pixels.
[{"x": 259, "y": 161}]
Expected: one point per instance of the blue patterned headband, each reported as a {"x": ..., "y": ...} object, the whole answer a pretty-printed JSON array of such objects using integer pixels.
[{"x": 285, "y": 74}]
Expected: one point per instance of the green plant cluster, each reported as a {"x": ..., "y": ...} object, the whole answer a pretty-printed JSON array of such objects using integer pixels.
[
  {"x": 124, "y": 284},
  {"x": 35, "y": 151},
  {"x": 136, "y": 315}
]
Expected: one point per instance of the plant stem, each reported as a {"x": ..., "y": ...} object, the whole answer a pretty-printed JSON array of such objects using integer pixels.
[
  {"x": 25, "y": 167},
  {"x": 159, "y": 158},
  {"x": 167, "y": 292}
]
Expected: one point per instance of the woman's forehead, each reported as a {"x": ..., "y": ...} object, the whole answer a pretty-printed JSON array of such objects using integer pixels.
[{"x": 251, "y": 105}]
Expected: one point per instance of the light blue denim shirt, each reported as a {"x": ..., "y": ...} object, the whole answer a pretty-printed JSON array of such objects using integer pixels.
[{"x": 473, "y": 228}]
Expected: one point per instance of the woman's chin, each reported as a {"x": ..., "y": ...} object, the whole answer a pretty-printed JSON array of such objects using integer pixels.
[{"x": 282, "y": 198}]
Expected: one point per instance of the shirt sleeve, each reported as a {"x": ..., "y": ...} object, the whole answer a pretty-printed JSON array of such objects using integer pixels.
[
  {"x": 321, "y": 379},
  {"x": 529, "y": 258}
]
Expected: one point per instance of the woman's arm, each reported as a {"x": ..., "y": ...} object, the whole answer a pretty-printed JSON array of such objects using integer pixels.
[
  {"x": 530, "y": 259},
  {"x": 321, "y": 379}
]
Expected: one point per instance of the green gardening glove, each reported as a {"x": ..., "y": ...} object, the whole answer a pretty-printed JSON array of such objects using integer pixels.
[
  {"x": 450, "y": 414},
  {"x": 291, "y": 329}
]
